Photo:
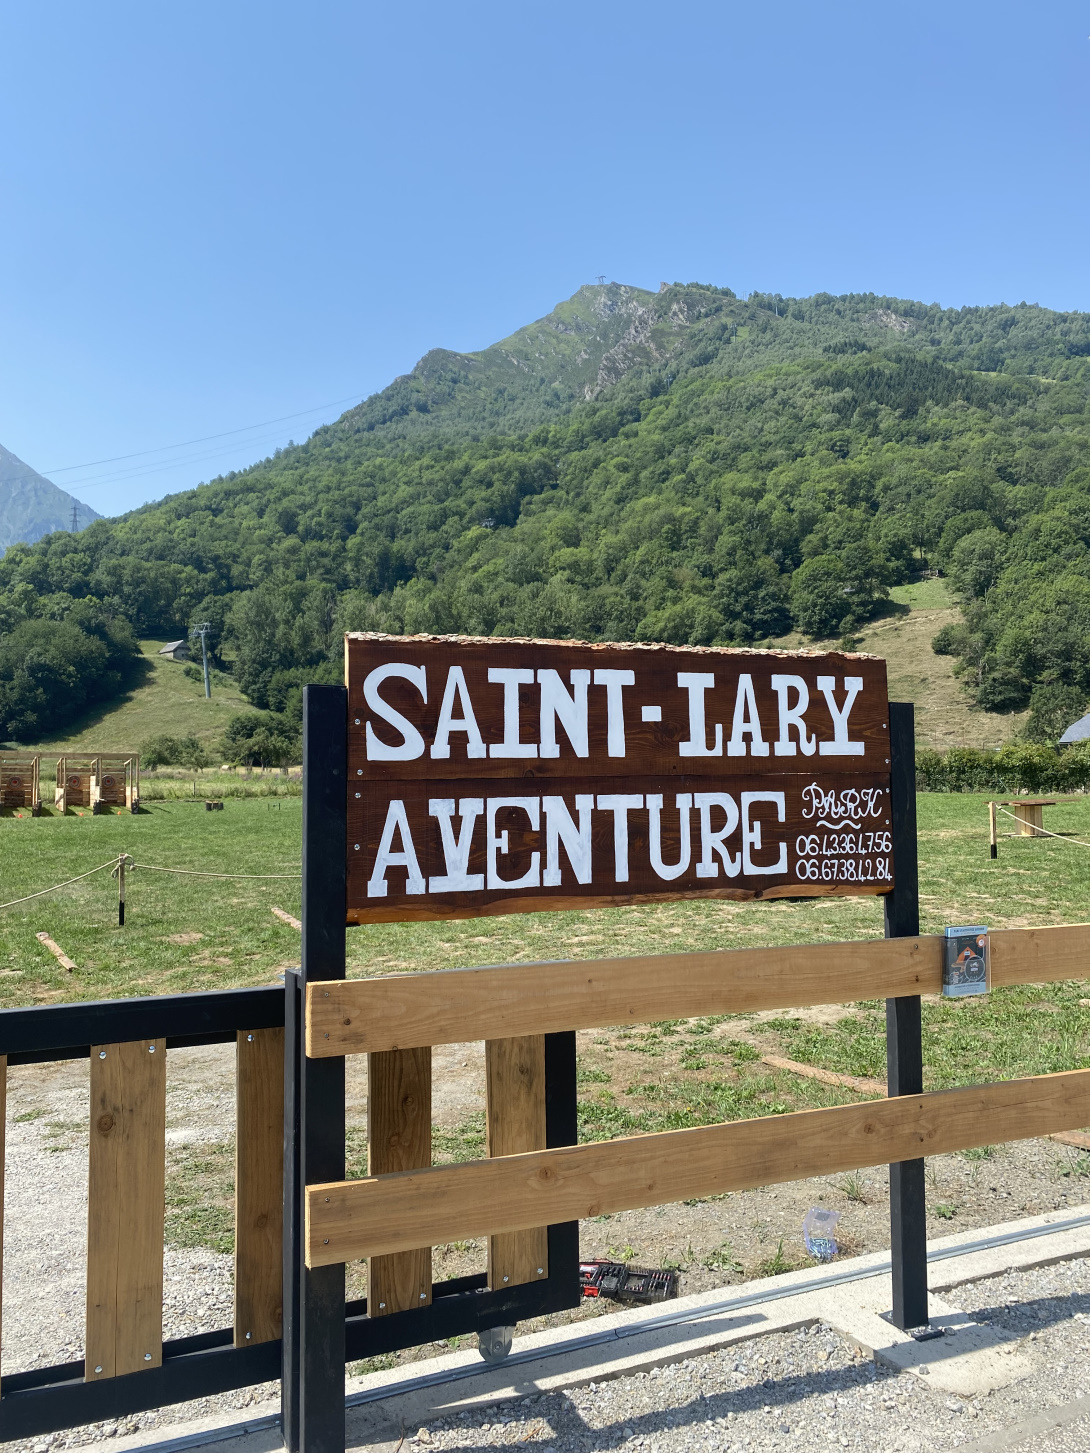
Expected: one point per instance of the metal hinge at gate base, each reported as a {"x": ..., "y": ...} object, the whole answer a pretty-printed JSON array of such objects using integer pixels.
[
  {"x": 494, "y": 1343},
  {"x": 927, "y": 1333}
]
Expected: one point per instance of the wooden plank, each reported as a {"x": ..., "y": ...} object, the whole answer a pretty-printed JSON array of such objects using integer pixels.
[
  {"x": 452, "y": 1006},
  {"x": 259, "y": 1185},
  {"x": 399, "y": 1139},
  {"x": 641, "y": 744},
  {"x": 288, "y": 918},
  {"x": 1078, "y": 1138},
  {"x": 394, "y": 1213},
  {"x": 1039, "y": 955},
  {"x": 827, "y": 1077},
  {"x": 56, "y": 950},
  {"x": 515, "y": 1099},
  {"x": 125, "y": 1208},
  {"x": 425, "y": 911},
  {"x": 517, "y": 863}
]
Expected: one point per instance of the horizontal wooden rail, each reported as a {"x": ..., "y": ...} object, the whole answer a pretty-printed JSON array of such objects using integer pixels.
[
  {"x": 379, "y": 1215},
  {"x": 407, "y": 1011}
]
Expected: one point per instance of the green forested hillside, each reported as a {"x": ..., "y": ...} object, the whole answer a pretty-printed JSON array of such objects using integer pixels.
[{"x": 682, "y": 466}]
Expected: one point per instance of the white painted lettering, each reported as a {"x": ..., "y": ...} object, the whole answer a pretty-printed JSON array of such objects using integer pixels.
[
  {"x": 792, "y": 716},
  {"x": 751, "y": 833},
  {"x": 746, "y": 720},
  {"x": 614, "y": 683},
  {"x": 511, "y": 678},
  {"x": 683, "y": 802},
  {"x": 620, "y": 804},
  {"x": 696, "y": 683},
  {"x": 840, "y": 746},
  {"x": 456, "y": 691},
  {"x": 396, "y": 821},
  {"x": 560, "y": 828},
  {"x": 413, "y": 744},
  {"x": 457, "y": 878},
  {"x": 571, "y": 711},
  {"x": 496, "y": 843},
  {"x": 715, "y": 842}
]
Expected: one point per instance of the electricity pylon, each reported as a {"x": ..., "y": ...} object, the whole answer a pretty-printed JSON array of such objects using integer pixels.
[{"x": 202, "y": 631}]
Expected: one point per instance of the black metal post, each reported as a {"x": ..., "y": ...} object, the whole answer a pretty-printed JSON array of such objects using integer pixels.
[
  {"x": 293, "y": 1213},
  {"x": 904, "y": 1030},
  {"x": 562, "y": 1128},
  {"x": 315, "y": 1344}
]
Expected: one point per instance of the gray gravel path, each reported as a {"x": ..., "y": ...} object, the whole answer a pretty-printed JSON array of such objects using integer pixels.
[{"x": 810, "y": 1389}]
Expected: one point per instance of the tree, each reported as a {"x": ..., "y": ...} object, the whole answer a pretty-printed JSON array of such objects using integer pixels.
[
  {"x": 1052, "y": 709},
  {"x": 168, "y": 751},
  {"x": 51, "y": 670},
  {"x": 261, "y": 739}
]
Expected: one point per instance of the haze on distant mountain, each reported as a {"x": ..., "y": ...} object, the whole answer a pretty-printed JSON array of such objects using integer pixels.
[{"x": 32, "y": 506}]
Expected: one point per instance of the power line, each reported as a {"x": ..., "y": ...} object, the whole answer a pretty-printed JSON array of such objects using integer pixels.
[
  {"x": 145, "y": 471},
  {"x": 185, "y": 444}
]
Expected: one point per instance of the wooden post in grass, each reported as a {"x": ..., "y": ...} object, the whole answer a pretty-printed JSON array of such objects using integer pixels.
[
  {"x": 121, "y": 891},
  {"x": 119, "y": 874},
  {"x": 993, "y": 835}
]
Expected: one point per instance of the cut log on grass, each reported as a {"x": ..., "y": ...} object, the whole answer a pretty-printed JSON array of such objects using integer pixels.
[
  {"x": 287, "y": 918},
  {"x": 827, "y": 1077},
  {"x": 57, "y": 952}
]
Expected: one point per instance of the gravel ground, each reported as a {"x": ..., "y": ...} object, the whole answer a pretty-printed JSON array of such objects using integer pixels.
[{"x": 811, "y": 1389}]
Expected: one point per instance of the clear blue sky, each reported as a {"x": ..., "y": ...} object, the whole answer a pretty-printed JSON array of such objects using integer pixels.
[{"x": 218, "y": 214}]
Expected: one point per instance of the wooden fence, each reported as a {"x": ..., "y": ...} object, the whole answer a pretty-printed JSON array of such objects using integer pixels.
[
  {"x": 391, "y": 1215},
  {"x": 127, "y": 1364}
]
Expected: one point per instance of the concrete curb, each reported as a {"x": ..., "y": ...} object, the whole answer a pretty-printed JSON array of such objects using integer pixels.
[{"x": 849, "y": 1296}]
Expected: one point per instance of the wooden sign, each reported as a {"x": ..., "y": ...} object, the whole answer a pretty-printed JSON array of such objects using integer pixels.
[{"x": 508, "y": 776}]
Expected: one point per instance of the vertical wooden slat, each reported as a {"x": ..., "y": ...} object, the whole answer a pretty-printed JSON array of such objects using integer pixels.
[
  {"x": 259, "y": 1185},
  {"x": 125, "y": 1208},
  {"x": 398, "y": 1138},
  {"x": 515, "y": 1091}
]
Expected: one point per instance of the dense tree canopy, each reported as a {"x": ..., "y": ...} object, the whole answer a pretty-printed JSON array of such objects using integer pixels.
[
  {"x": 780, "y": 463},
  {"x": 55, "y": 665}
]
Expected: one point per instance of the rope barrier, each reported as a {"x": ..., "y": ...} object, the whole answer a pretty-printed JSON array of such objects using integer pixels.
[
  {"x": 42, "y": 891},
  {"x": 197, "y": 873},
  {"x": 151, "y": 868},
  {"x": 1043, "y": 831}
]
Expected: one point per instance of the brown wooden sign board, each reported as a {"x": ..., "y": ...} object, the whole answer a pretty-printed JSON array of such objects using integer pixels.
[{"x": 494, "y": 776}]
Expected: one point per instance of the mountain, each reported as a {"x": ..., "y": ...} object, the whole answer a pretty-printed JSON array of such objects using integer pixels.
[
  {"x": 685, "y": 466},
  {"x": 32, "y": 506},
  {"x": 574, "y": 353}
]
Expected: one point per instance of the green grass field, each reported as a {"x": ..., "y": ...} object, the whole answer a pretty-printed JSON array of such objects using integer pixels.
[
  {"x": 187, "y": 933},
  {"x": 945, "y": 716},
  {"x": 163, "y": 700}
]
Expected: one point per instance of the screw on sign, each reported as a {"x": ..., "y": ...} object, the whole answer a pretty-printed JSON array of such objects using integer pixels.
[{"x": 501, "y": 776}]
